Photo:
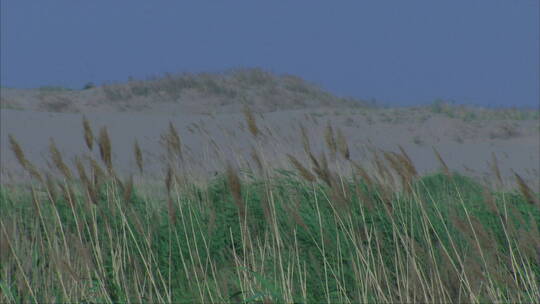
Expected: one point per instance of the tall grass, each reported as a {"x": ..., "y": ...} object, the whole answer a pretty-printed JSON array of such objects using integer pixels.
[{"x": 308, "y": 235}]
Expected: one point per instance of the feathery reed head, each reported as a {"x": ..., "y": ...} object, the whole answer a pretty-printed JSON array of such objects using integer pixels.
[
  {"x": 236, "y": 190},
  {"x": 23, "y": 161},
  {"x": 306, "y": 174},
  {"x": 305, "y": 139},
  {"x": 342, "y": 145},
  {"x": 18, "y": 151},
  {"x": 56, "y": 157},
  {"x": 250, "y": 119},
  {"x": 443, "y": 164},
  {"x": 138, "y": 156},
  {"x": 105, "y": 149},
  {"x": 172, "y": 142},
  {"x": 88, "y": 134},
  {"x": 526, "y": 191},
  {"x": 330, "y": 139}
]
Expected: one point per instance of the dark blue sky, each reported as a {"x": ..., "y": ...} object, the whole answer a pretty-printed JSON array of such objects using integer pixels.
[{"x": 400, "y": 52}]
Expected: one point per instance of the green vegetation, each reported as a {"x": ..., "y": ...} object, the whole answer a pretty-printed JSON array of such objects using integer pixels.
[{"x": 303, "y": 236}]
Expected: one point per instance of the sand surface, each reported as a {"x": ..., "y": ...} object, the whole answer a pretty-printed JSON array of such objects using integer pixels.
[{"x": 212, "y": 133}]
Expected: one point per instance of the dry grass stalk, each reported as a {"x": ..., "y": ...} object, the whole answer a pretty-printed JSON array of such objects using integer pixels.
[
  {"x": 306, "y": 174},
  {"x": 408, "y": 162},
  {"x": 169, "y": 177},
  {"x": 443, "y": 163},
  {"x": 526, "y": 191},
  {"x": 68, "y": 193},
  {"x": 322, "y": 170},
  {"x": 171, "y": 209},
  {"x": 305, "y": 139},
  {"x": 363, "y": 197},
  {"x": 496, "y": 170},
  {"x": 236, "y": 190},
  {"x": 128, "y": 189},
  {"x": 256, "y": 157},
  {"x": 97, "y": 173},
  {"x": 330, "y": 139},
  {"x": 51, "y": 188},
  {"x": 56, "y": 157},
  {"x": 363, "y": 173},
  {"x": 397, "y": 163},
  {"x": 384, "y": 173},
  {"x": 88, "y": 134},
  {"x": 342, "y": 145},
  {"x": 90, "y": 187},
  {"x": 172, "y": 142},
  {"x": 23, "y": 161},
  {"x": 105, "y": 148},
  {"x": 490, "y": 201},
  {"x": 267, "y": 211},
  {"x": 138, "y": 156},
  {"x": 82, "y": 173},
  {"x": 251, "y": 122},
  {"x": 295, "y": 216}
]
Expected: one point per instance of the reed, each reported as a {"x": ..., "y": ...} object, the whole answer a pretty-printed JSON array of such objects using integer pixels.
[
  {"x": 138, "y": 156},
  {"x": 23, "y": 161},
  {"x": 88, "y": 134},
  {"x": 304, "y": 172},
  {"x": 445, "y": 168},
  {"x": 234, "y": 185},
  {"x": 332, "y": 239},
  {"x": 58, "y": 161},
  {"x": 105, "y": 149},
  {"x": 330, "y": 139},
  {"x": 526, "y": 191},
  {"x": 342, "y": 145},
  {"x": 251, "y": 122}
]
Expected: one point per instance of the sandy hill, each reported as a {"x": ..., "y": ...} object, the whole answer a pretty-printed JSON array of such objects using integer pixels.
[{"x": 201, "y": 93}]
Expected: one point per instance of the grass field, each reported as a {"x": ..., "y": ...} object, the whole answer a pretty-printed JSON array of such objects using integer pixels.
[{"x": 303, "y": 234}]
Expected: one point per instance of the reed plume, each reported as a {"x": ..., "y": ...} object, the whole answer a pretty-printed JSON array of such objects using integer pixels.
[
  {"x": 342, "y": 145},
  {"x": 251, "y": 122},
  {"x": 443, "y": 164},
  {"x": 236, "y": 190},
  {"x": 138, "y": 156},
  {"x": 88, "y": 134},
  {"x": 306, "y": 174},
  {"x": 58, "y": 161},
  {"x": 406, "y": 160},
  {"x": 330, "y": 139},
  {"x": 23, "y": 161},
  {"x": 172, "y": 142},
  {"x": 256, "y": 157},
  {"x": 128, "y": 189},
  {"x": 526, "y": 191},
  {"x": 105, "y": 149},
  {"x": 496, "y": 170},
  {"x": 305, "y": 139}
]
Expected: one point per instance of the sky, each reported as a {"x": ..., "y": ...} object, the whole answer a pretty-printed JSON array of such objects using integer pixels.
[{"x": 482, "y": 52}]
